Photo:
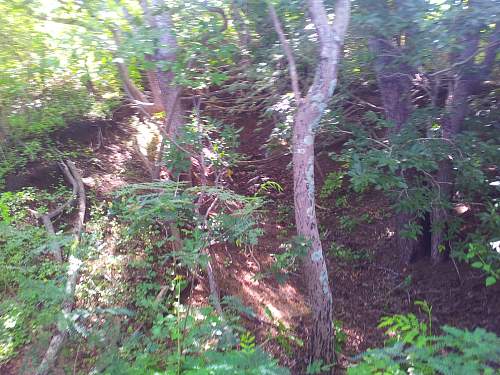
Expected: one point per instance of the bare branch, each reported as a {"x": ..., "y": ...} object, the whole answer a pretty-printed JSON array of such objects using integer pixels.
[
  {"x": 220, "y": 11},
  {"x": 292, "y": 67},
  {"x": 58, "y": 340},
  {"x": 488, "y": 61},
  {"x": 81, "y": 199}
]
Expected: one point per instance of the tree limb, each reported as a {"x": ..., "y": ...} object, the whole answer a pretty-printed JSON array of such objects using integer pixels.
[{"x": 292, "y": 67}]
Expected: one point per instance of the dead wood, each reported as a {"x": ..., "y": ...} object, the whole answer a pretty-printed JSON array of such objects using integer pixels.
[{"x": 57, "y": 341}]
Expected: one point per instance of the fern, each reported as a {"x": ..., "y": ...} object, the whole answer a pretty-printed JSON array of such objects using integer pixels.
[{"x": 455, "y": 352}]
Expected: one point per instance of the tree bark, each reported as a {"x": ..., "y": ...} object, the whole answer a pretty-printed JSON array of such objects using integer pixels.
[
  {"x": 315, "y": 270},
  {"x": 394, "y": 81},
  {"x": 456, "y": 111},
  {"x": 292, "y": 67},
  {"x": 166, "y": 52},
  {"x": 162, "y": 80},
  {"x": 309, "y": 112}
]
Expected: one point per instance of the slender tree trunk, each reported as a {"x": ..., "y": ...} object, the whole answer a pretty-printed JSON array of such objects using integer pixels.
[
  {"x": 154, "y": 86},
  {"x": 315, "y": 271},
  {"x": 132, "y": 91},
  {"x": 394, "y": 81},
  {"x": 167, "y": 52},
  {"x": 467, "y": 76},
  {"x": 309, "y": 112}
]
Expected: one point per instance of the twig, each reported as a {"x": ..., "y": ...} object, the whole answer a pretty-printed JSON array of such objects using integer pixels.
[
  {"x": 76, "y": 359},
  {"x": 144, "y": 159},
  {"x": 212, "y": 282},
  {"x": 466, "y": 60}
]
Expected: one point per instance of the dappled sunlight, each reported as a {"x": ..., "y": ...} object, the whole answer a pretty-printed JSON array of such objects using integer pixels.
[
  {"x": 284, "y": 301},
  {"x": 110, "y": 167},
  {"x": 389, "y": 232},
  {"x": 249, "y": 187},
  {"x": 147, "y": 137}
]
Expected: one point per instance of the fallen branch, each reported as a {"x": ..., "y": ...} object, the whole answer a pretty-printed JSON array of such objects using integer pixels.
[
  {"x": 58, "y": 339},
  {"x": 81, "y": 199},
  {"x": 47, "y": 218}
]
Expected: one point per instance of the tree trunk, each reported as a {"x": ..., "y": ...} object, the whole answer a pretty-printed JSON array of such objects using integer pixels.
[
  {"x": 456, "y": 111},
  {"x": 167, "y": 52},
  {"x": 154, "y": 86},
  {"x": 162, "y": 81},
  {"x": 309, "y": 112},
  {"x": 468, "y": 78},
  {"x": 315, "y": 271},
  {"x": 394, "y": 84},
  {"x": 132, "y": 91}
]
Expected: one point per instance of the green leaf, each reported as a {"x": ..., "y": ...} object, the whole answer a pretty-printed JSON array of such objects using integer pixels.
[{"x": 490, "y": 280}]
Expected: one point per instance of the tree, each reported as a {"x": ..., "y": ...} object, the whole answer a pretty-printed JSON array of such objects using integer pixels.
[
  {"x": 310, "y": 109},
  {"x": 414, "y": 77},
  {"x": 467, "y": 77},
  {"x": 392, "y": 48}
]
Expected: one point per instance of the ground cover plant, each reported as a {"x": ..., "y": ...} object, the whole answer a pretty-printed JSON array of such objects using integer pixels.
[{"x": 249, "y": 187}]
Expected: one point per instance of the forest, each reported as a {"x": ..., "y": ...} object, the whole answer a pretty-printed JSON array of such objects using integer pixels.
[{"x": 249, "y": 187}]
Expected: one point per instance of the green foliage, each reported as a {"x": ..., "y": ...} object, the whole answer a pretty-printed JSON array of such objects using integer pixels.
[
  {"x": 341, "y": 202},
  {"x": 480, "y": 249},
  {"x": 407, "y": 328},
  {"x": 44, "y": 84},
  {"x": 333, "y": 182},
  {"x": 269, "y": 185},
  {"x": 346, "y": 254},
  {"x": 284, "y": 335},
  {"x": 317, "y": 367},
  {"x": 206, "y": 138},
  {"x": 413, "y": 349},
  {"x": 404, "y": 167},
  {"x": 340, "y": 336},
  {"x": 350, "y": 223},
  {"x": 186, "y": 340},
  {"x": 288, "y": 259},
  {"x": 28, "y": 287},
  {"x": 155, "y": 237},
  {"x": 456, "y": 351}
]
